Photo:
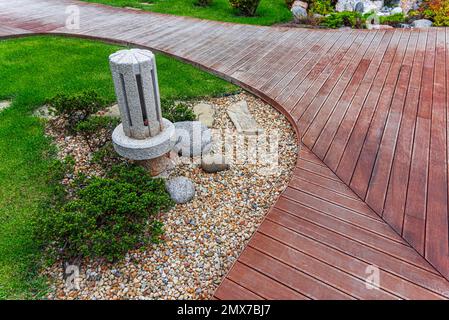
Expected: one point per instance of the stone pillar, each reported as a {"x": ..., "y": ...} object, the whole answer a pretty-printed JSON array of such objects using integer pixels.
[
  {"x": 136, "y": 86},
  {"x": 143, "y": 133}
]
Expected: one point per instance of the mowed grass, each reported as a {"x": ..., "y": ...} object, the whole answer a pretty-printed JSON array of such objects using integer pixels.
[
  {"x": 32, "y": 70},
  {"x": 268, "y": 13}
]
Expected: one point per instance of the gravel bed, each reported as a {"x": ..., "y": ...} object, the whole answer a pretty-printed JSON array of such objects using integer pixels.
[{"x": 203, "y": 237}]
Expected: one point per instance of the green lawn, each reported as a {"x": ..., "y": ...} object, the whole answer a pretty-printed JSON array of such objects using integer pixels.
[
  {"x": 32, "y": 70},
  {"x": 268, "y": 13}
]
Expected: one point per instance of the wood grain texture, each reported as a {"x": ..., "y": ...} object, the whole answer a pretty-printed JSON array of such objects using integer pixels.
[{"x": 370, "y": 188}]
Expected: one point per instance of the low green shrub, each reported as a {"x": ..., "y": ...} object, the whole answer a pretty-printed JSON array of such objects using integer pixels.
[
  {"x": 245, "y": 7},
  {"x": 344, "y": 19},
  {"x": 106, "y": 217},
  {"x": 393, "y": 19},
  {"x": 176, "y": 112},
  {"x": 94, "y": 126},
  {"x": 435, "y": 10},
  {"x": 76, "y": 107},
  {"x": 322, "y": 7}
]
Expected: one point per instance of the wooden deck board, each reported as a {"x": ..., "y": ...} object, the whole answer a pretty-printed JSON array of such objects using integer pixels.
[{"x": 370, "y": 188}]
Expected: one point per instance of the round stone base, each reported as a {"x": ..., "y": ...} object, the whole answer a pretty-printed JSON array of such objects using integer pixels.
[{"x": 145, "y": 149}]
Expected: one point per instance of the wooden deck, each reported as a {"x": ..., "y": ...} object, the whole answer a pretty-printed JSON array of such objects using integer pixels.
[{"x": 371, "y": 112}]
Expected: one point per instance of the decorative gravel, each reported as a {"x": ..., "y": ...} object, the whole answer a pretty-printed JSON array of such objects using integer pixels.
[{"x": 203, "y": 237}]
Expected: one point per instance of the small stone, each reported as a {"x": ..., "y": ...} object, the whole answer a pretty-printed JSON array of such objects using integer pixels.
[
  {"x": 116, "y": 273},
  {"x": 405, "y": 25},
  {"x": 4, "y": 104},
  {"x": 242, "y": 118},
  {"x": 359, "y": 7},
  {"x": 181, "y": 189},
  {"x": 378, "y": 26},
  {"x": 299, "y": 3},
  {"x": 396, "y": 10},
  {"x": 205, "y": 113},
  {"x": 44, "y": 112},
  {"x": 192, "y": 138},
  {"x": 422, "y": 23},
  {"x": 214, "y": 163},
  {"x": 113, "y": 111},
  {"x": 299, "y": 10}
]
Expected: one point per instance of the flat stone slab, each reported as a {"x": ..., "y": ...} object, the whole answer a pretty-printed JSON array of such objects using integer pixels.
[
  {"x": 205, "y": 113},
  {"x": 5, "y": 104},
  {"x": 112, "y": 111},
  {"x": 44, "y": 112},
  {"x": 242, "y": 118}
]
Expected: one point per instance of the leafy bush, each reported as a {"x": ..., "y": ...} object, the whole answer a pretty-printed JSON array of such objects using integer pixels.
[
  {"x": 245, "y": 7},
  {"x": 203, "y": 3},
  {"x": 393, "y": 19},
  {"x": 177, "y": 111},
  {"x": 322, "y": 7},
  {"x": 344, "y": 19},
  {"x": 94, "y": 126},
  {"x": 77, "y": 107},
  {"x": 436, "y": 10},
  {"x": 106, "y": 216}
]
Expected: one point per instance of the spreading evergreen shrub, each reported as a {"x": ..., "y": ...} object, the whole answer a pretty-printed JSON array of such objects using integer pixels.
[
  {"x": 245, "y": 7},
  {"x": 344, "y": 19},
  {"x": 76, "y": 107},
  {"x": 105, "y": 217}
]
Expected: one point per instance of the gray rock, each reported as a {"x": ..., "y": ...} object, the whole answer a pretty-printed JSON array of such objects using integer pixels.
[
  {"x": 299, "y": 13},
  {"x": 4, "y": 104},
  {"x": 359, "y": 7},
  {"x": 299, "y": 3},
  {"x": 378, "y": 27},
  {"x": 181, "y": 189},
  {"x": 405, "y": 25},
  {"x": 422, "y": 23},
  {"x": 116, "y": 273},
  {"x": 192, "y": 139},
  {"x": 214, "y": 163},
  {"x": 205, "y": 113},
  {"x": 392, "y": 3},
  {"x": 385, "y": 11},
  {"x": 44, "y": 112},
  {"x": 350, "y": 5},
  {"x": 242, "y": 118},
  {"x": 113, "y": 111},
  {"x": 396, "y": 10}
]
